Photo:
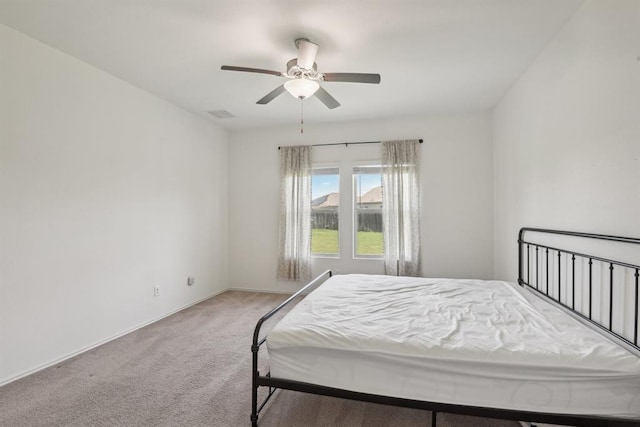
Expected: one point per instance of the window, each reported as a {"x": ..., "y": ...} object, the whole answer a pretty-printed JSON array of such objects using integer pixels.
[
  {"x": 325, "y": 203},
  {"x": 367, "y": 212}
]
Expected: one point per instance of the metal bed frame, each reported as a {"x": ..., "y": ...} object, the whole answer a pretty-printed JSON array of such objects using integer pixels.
[{"x": 529, "y": 259}]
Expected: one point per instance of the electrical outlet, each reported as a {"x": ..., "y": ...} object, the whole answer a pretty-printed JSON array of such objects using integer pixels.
[
  {"x": 156, "y": 291},
  {"x": 191, "y": 280}
]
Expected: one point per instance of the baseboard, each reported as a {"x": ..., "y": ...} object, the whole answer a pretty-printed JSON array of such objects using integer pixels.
[
  {"x": 104, "y": 341},
  {"x": 528, "y": 424},
  {"x": 262, "y": 291},
  {"x": 135, "y": 328}
]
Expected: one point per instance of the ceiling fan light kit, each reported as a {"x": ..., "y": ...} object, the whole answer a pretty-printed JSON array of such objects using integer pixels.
[{"x": 301, "y": 88}]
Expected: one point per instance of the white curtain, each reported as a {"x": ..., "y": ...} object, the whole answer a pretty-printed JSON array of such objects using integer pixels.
[
  {"x": 294, "y": 259},
  {"x": 401, "y": 207}
]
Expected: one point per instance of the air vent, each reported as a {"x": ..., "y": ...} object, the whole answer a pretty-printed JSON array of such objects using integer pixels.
[{"x": 221, "y": 114}]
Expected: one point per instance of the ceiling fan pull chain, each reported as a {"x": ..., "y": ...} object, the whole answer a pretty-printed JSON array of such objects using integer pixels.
[{"x": 301, "y": 115}]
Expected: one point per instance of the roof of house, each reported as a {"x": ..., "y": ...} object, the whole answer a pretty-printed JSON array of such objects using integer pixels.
[
  {"x": 332, "y": 200},
  {"x": 372, "y": 196}
]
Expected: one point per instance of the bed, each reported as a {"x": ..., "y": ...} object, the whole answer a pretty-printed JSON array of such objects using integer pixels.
[{"x": 561, "y": 346}]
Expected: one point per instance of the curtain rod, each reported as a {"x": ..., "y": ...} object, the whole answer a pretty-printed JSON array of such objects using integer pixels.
[{"x": 346, "y": 144}]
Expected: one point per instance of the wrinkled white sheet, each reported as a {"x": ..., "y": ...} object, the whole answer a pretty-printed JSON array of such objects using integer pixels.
[{"x": 471, "y": 342}]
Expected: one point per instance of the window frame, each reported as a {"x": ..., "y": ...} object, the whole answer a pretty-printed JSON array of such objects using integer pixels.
[
  {"x": 354, "y": 211},
  {"x": 337, "y": 166}
]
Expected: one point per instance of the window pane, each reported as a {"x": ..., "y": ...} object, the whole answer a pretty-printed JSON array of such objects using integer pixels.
[
  {"x": 325, "y": 201},
  {"x": 367, "y": 190}
]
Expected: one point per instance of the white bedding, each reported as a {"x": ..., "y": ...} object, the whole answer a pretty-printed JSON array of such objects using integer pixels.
[{"x": 469, "y": 342}]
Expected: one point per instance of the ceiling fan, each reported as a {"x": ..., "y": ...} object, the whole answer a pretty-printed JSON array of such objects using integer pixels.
[{"x": 303, "y": 76}]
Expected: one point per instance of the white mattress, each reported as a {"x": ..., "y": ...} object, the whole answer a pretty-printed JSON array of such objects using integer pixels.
[{"x": 469, "y": 342}]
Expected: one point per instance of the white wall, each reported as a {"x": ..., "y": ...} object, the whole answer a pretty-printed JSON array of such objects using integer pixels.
[
  {"x": 567, "y": 135},
  {"x": 457, "y": 199},
  {"x": 105, "y": 192}
]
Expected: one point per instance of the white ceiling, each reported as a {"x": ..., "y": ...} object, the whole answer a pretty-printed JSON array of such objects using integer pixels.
[{"x": 434, "y": 56}]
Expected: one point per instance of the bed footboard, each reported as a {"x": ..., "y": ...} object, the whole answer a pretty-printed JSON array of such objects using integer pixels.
[{"x": 257, "y": 343}]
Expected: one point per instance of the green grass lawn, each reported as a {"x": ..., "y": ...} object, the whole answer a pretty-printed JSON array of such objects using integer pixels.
[
  {"x": 326, "y": 242},
  {"x": 369, "y": 243}
]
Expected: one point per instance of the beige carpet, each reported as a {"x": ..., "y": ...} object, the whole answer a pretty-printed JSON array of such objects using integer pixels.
[{"x": 190, "y": 369}]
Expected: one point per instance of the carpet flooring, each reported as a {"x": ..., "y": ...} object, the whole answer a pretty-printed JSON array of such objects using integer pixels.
[{"x": 190, "y": 369}]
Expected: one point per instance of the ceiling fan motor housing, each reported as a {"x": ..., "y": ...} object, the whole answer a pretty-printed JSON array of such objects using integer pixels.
[{"x": 295, "y": 72}]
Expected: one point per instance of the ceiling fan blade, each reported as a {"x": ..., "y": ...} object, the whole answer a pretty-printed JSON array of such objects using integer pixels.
[
  {"x": 326, "y": 99},
  {"x": 271, "y": 95},
  {"x": 352, "y": 77},
  {"x": 251, "y": 70},
  {"x": 307, "y": 52}
]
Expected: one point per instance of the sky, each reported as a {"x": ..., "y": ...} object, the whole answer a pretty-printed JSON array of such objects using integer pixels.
[{"x": 324, "y": 184}]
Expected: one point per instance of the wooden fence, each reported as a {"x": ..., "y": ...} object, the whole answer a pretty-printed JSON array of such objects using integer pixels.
[
  {"x": 368, "y": 220},
  {"x": 324, "y": 219}
]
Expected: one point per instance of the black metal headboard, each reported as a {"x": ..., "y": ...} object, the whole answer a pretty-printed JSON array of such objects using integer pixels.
[{"x": 545, "y": 275}]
